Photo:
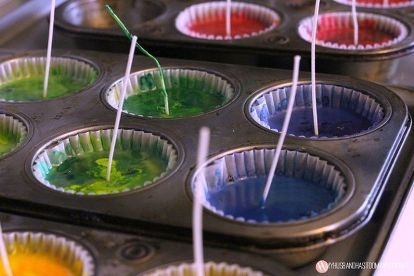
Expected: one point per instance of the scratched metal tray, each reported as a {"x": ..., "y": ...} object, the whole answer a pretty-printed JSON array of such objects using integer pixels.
[
  {"x": 165, "y": 207},
  {"x": 156, "y": 30}
]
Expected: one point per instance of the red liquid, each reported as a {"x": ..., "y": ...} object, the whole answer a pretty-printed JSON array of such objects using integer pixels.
[
  {"x": 240, "y": 25},
  {"x": 390, "y": 2},
  {"x": 369, "y": 34}
]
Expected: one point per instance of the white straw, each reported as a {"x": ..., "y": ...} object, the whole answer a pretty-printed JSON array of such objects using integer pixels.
[
  {"x": 120, "y": 106},
  {"x": 284, "y": 128},
  {"x": 49, "y": 47},
  {"x": 203, "y": 143},
  {"x": 228, "y": 18},
  {"x": 4, "y": 256},
  {"x": 355, "y": 22},
  {"x": 313, "y": 68}
]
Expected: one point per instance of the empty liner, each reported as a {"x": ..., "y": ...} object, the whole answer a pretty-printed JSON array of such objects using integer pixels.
[
  {"x": 190, "y": 92},
  {"x": 208, "y": 20},
  {"x": 379, "y": 3},
  {"x": 335, "y": 30},
  {"x": 92, "y": 13},
  {"x": 305, "y": 186},
  {"x": 342, "y": 111},
  {"x": 210, "y": 269},
  {"x": 47, "y": 251},
  {"x": 12, "y": 133},
  {"x": 78, "y": 163},
  {"x": 21, "y": 79}
]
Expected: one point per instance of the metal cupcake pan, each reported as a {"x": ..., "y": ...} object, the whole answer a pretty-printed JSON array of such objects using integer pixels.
[
  {"x": 168, "y": 203},
  {"x": 274, "y": 48},
  {"x": 108, "y": 253}
]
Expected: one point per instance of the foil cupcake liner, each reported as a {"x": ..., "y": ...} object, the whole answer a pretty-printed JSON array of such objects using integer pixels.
[
  {"x": 210, "y": 269},
  {"x": 56, "y": 152},
  {"x": 65, "y": 251},
  {"x": 26, "y": 67},
  {"x": 14, "y": 128},
  {"x": 335, "y": 21},
  {"x": 274, "y": 100},
  {"x": 242, "y": 165},
  {"x": 214, "y": 10},
  {"x": 379, "y": 3},
  {"x": 174, "y": 77}
]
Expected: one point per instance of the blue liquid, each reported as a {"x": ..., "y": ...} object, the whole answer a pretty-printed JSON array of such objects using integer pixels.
[
  {"x": 332, "y": 122},
  {"x": 289, "y": 199}
]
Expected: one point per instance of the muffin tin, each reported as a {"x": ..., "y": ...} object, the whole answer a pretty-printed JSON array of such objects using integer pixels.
[
  {"x": 114, "y": 253},
  {"x": 165, "y": 205},
  {"x": 274, "y": 48}
]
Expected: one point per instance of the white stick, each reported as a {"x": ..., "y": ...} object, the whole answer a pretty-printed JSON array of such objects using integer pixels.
[
  {"x": 120, "y": 106},
  {"x": 386, "y": 3},
  {"x": 49, "y": 47},
  {"x": 313, "y": 68},
  {"x": 203, "y": 143},
  {"x": 355, "y": 22},
  {"x": 284, "y": 128},
  {"x": 4, "y": 256},
  {"x": 228, "y": 18}
]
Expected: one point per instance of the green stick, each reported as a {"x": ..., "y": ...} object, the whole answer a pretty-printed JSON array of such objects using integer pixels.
[{"x": 145, "y": 52}]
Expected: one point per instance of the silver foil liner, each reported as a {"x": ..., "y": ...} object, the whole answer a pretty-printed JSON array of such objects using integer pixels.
[
  {"x": 14, "y": 128},
  {"x": 210, "y": 269},
  {"x": 80, "y": 144},
  {"x": 378, "y": 3},
  {"x": 241, "y": 165},
  {"x": 217, "y": 9},
  {"x": 274, "y": 100},
  {"x": 67, "y": 252},
  {"x": 26, "y": 67},
  {"x": 174, "y": 77},
  {"x": 337, "y": 20}
]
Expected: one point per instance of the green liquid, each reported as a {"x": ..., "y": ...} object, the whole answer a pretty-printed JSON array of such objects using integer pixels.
[
  {"x": 87, "y": 173},
  {"x": 183, "y": 101},
  {"x": 31, "y": 88},
  {"x": 7, "y": 143}
]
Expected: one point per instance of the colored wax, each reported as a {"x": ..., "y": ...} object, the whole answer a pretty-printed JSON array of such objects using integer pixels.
[
  {"x": 87, "y": 173},
  {"x": 183, "y": 101},
  {"x": 332, "y": 122},
  {"x": 241, "y": 24},
  {"x": 7, "y": 143},
  {"x": 370, "y": 32},
  {"x": 381, "y": 2},
  {"x": 289, "y": 199},
  {"x": 35, "y": 264},
  {"x": 31, "y": 88}
]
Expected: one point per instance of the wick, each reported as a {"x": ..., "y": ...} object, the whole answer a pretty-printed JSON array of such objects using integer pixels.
[
  {"x": 120, "y": 107},
  {"x": 228, "y": 18},
  {"x": 145, "y": 52},
  {"x": 49, "y": 48},
  {"x": 203, "y": 143},
  {"x": 284, "y": 129},
  {"x": 355, "y": 22},
  {"x": 313, "y": 68},
  {"x": 4, "y": 256}
]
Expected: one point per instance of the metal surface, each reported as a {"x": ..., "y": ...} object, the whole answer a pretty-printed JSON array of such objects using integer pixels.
[
  {"x": 166, "y": 202},
  {"x": 115, "y": 253},
  {"x": 273, "y": 49}
]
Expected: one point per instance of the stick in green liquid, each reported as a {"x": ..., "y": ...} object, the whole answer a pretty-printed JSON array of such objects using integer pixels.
[{"x": 145, "y": 52}]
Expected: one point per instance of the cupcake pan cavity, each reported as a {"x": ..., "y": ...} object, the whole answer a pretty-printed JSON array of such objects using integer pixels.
[
  {"x": 307, "y": 185},
  {"x": 342, "y": 111},
  {"x": 379, "y": 3},
  {"x": 12, "y": 133},
  {"x": 168, "y": 202},
  {"x": 67, "y": 253},
  {"x": 180, "y": 83},
  {"x": 67, "y": 76},
  {"x": 210, "y": 14},
  {"x": 84, "y": 144},
  {"x": 274, "y": 48}
]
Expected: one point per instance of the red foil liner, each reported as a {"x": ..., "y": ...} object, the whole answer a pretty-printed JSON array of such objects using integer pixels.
[
  {"x": 208, "y": 20},
  {"x": 379, "y": 3},
  {"x": 336, "y": 30}
]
